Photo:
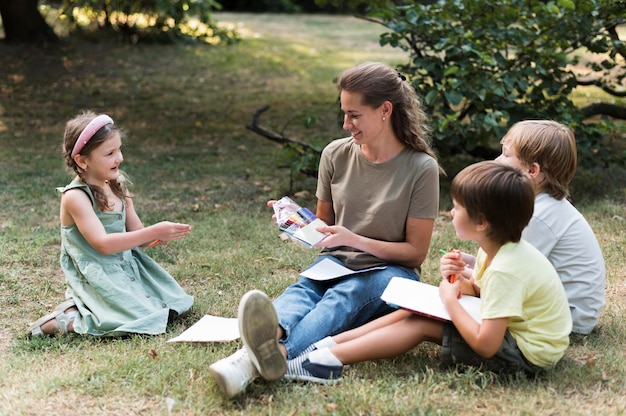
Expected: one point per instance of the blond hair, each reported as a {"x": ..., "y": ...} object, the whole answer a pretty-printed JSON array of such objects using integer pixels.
[{"x": 549, "y": 144}]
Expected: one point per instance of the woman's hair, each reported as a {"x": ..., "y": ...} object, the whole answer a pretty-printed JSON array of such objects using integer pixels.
[
  {"x": 73, "y": 128},
  {"x": 497, "y": 193},
  {"x": 377, "y": 83},
  {"x": 549, "y": 144}
]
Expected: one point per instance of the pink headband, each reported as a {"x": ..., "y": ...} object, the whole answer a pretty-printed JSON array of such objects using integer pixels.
[{"x": 94, "y": 125}]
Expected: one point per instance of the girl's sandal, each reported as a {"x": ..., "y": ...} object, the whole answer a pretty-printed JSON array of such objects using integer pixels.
[
  {"x": 63, "y": 319},
  {"x": 65, "y": 305}
]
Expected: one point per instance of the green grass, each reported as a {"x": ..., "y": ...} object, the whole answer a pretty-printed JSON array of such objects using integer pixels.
[{"x": 184, "y": 110}]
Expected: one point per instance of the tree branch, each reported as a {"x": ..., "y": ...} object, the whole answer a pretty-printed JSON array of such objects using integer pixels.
[
  {"x": 610, "y": 110},
  {"x": 598, "y": 83},
  {"x": 274, "y": 135}
]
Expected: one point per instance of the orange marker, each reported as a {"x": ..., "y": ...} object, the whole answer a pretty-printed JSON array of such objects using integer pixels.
[{"x": 453, "y": 277}]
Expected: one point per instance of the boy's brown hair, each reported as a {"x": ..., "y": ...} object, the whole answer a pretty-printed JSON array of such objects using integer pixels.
[
  {"x": 497, "y": 193},
  {"x": 549, "y": 144}
]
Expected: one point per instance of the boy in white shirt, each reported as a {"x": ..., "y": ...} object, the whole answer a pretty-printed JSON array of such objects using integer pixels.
[{"x": 546, "y": 150}]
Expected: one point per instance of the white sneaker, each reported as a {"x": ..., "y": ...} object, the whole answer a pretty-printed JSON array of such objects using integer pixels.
[
  {"x": 258, "y": 327},
  {"x": 234, "y": 373}
]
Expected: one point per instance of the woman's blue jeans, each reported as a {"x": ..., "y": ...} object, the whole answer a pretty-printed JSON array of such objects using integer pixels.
[{"x": 310, "y": 310}]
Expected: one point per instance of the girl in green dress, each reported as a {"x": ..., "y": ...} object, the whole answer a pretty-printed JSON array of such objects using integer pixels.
[{"x": 113, "y": 287}]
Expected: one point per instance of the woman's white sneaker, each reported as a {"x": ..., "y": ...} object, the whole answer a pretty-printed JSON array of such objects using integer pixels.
[
  {"x": 234, "y": 373},
  {"x": 258, "y": 327}
]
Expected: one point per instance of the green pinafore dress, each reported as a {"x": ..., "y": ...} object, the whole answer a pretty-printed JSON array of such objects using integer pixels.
[{"x": 120, "y": 293}]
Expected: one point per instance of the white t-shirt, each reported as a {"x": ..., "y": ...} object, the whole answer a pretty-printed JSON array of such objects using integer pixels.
[{"x": 563, "y": 235}]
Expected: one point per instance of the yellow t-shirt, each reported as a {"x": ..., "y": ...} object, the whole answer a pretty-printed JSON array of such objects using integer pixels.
[{"x": 521, "y": 284}]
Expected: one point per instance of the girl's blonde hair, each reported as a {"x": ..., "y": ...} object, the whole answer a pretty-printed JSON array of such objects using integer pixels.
[
  {"x": 549, "y": 144},
  {"x": 73, "y": 128}
]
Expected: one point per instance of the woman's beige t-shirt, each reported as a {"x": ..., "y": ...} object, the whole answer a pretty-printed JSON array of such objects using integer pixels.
[{"x": 375, "y": 199}]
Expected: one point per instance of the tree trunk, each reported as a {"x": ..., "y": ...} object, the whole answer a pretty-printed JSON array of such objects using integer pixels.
[{"x": 23, "y": 23}]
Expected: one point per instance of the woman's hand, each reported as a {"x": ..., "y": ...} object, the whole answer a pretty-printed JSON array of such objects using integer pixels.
[
  {"x": 270, "y": 204},
  {"x": 338, "y": 235}
]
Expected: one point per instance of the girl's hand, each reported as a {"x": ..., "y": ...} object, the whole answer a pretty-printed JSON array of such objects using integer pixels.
[
  {"x": 338, "y": 235},
  {"x": 451, "y": 264},
  {"x": 168, "y": 231}
]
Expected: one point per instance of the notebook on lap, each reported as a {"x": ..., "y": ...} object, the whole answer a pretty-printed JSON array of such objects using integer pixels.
[{"x": 423, "y": 299}]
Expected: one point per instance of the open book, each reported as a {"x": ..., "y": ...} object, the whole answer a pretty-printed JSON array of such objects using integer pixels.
[{"x": 424, "y": 299}]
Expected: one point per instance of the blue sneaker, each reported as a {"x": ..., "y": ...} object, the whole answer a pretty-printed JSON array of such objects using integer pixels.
[
  {"x": 301, "y": 369},
  {"x": 294, "y": 366}
]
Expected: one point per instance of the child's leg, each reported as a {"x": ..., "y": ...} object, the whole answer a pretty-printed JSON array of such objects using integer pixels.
[
  {"x": 390, "y": 340},
  {"x": 383, "y": 321}
]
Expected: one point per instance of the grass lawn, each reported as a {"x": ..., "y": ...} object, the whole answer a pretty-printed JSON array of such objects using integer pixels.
[{"x": 184, "y": 111}]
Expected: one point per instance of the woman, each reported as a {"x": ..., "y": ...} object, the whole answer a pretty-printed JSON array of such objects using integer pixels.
[{"x": 379, "y": 192}]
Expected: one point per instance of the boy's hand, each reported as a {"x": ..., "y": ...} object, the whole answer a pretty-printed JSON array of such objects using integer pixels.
[
  {"x": 449, "y": 291},
  {"x": 451, "y": 265}
]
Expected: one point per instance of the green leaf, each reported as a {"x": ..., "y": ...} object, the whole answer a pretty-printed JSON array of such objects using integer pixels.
[
  {"x": 431, "y": 97},
  {"x": 451, "y": 71},
  {"x": 567, "y": 4},
  {"x": 454, "y": 97}
]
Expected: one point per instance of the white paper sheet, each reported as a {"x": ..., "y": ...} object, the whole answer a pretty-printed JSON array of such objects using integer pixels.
[
  {"x": 308, "y": 235},
  {"x": 328, "y": 269},
  {"x": 424, "y": 299},
  {"x": 210, "y": 329}
]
